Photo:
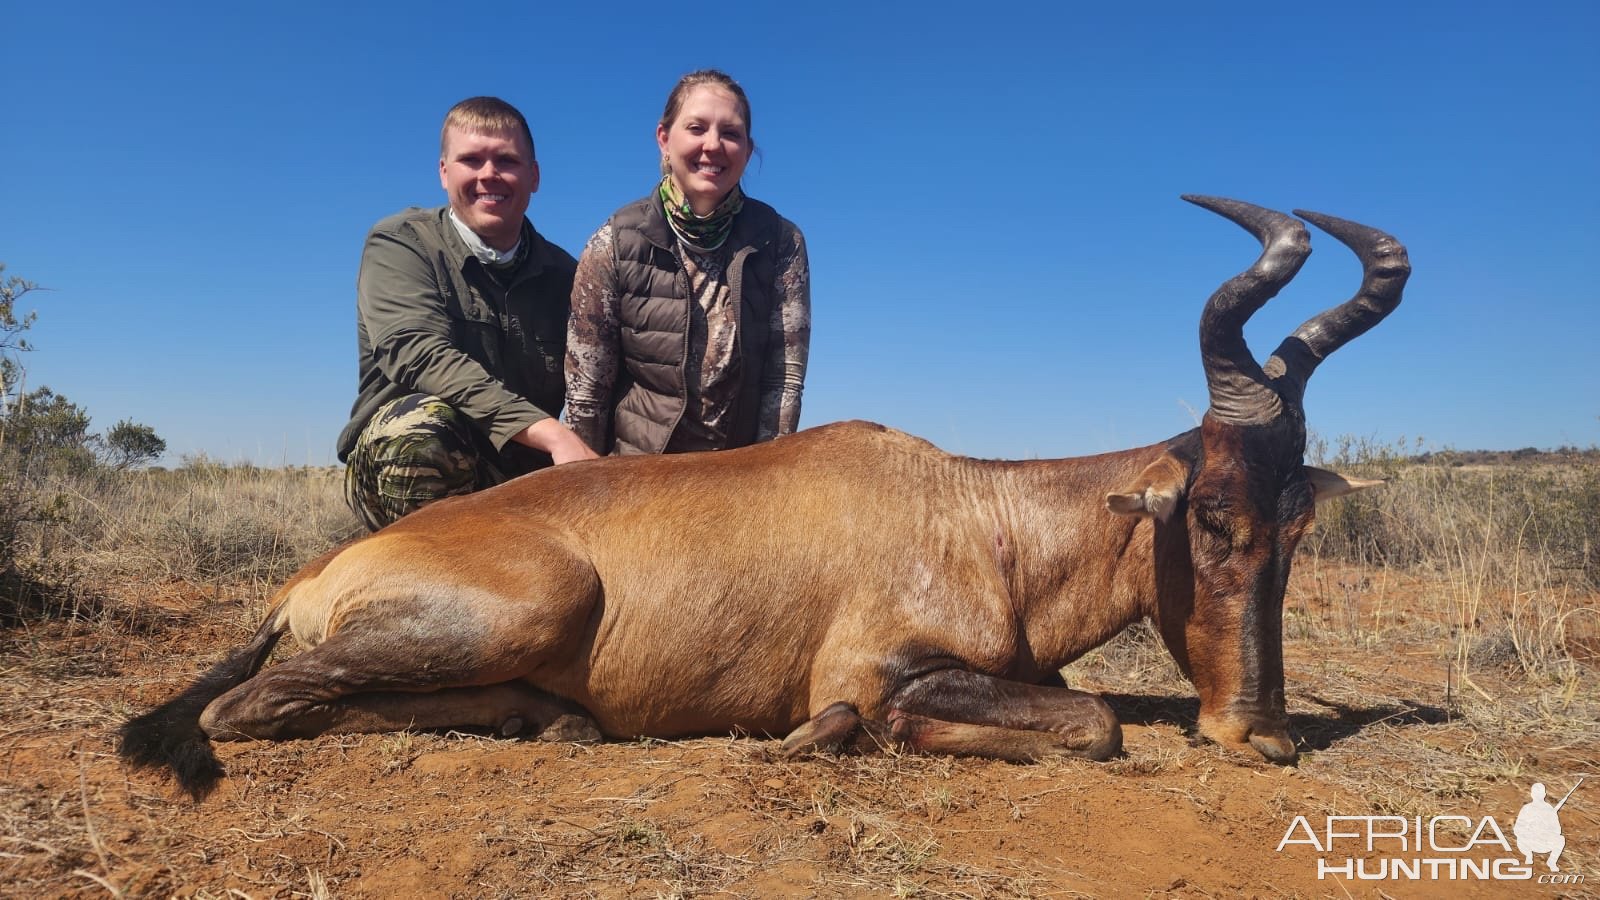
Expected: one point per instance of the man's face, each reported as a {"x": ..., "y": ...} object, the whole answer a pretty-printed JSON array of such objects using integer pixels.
[{"x": 489, "y": 177}]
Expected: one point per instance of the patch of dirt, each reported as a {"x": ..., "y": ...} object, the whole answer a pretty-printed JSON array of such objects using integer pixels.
[{"x": 1386, "y": 729}]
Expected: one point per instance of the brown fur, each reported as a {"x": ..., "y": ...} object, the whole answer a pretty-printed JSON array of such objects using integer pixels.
[
  {"x": 752, "y": 589},
  {"x": 703, "y": 558},
  {"x": 847, "y": 585}
]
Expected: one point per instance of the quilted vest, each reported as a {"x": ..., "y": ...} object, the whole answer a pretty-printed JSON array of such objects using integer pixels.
[{"x": 650, "y": 395}]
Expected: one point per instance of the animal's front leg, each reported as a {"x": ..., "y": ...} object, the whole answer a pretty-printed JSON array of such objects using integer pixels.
[{"x": 969, "y": 714}]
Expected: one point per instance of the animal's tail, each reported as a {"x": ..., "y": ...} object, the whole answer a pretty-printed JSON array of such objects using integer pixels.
[{"x": 169, "y": 736}]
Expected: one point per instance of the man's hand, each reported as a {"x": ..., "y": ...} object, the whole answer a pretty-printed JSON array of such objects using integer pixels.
[{"x": 555, "y": 439}]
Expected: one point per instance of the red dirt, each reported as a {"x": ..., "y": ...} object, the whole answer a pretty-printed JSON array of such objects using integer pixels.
[{"x": 453, "y": 815}]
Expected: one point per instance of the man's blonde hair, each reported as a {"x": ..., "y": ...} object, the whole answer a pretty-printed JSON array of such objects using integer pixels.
[{"x": 485, "y": 115}]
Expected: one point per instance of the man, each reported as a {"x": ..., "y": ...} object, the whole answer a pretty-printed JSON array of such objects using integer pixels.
[{"x": 461, "y": 321}]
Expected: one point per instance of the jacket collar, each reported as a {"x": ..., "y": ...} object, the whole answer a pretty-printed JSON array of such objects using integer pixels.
[{"x": 533, "y": 262}]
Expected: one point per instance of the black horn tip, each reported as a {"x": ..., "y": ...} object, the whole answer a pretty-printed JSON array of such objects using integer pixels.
[
  {"x": 1365, "y": 240},
  {"x": 1258, "y": 220},
  {"x": 1205, "y": 201},
  {"x": 1343, "y": 229}
]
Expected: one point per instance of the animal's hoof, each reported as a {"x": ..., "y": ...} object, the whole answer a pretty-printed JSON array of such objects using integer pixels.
[
  {"x": 1277, "y": 748},
  {"x": 571, "y": 728},
  {"x": 825, "y": 732}
]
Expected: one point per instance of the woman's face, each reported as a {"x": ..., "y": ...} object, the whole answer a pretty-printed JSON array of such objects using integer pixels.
[{"x": 706, "y": 146}]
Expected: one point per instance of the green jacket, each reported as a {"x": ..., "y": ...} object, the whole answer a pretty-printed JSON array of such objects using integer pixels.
[{"x": 432, "y": 319}]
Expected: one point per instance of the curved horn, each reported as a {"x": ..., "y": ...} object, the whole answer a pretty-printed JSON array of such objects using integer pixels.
[
  {"x": 1241, "y": 393},
  {"x": 1385, "y": 268}
]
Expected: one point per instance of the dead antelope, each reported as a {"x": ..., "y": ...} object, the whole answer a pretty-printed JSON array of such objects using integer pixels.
[{"x": 844, "y": 585}]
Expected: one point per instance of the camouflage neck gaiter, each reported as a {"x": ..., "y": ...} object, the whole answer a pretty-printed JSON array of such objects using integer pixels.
[{"x": 702, "y": 233}]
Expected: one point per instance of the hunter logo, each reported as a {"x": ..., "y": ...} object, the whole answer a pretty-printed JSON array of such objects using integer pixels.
[
  {"x": 1538, "y": 828},
  {"x": 1441, "y": 847}
]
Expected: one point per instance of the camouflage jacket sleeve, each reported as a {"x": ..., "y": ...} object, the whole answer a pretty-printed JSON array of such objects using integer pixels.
[
  {"x": 403, "y": 309},
  {"x": 783, "y": 373},
  {"x": 594, "y": 343}
]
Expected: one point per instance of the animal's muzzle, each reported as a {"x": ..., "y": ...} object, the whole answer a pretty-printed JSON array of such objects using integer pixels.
[
  {"x": 1274, "y": 743},
  {"x": 1266, "y": 733}
]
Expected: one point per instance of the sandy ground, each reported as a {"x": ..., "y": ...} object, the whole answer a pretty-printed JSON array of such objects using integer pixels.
[{"x": 1385, "y": 729}]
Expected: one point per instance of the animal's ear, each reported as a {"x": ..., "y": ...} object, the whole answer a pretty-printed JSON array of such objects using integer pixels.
[
  {"x": 1155, "y": 493},
  {"x": 1327, "y": 485}
]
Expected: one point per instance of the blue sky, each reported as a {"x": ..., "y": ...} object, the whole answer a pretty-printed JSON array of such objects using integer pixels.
[{"x": 1000, "y": 260}]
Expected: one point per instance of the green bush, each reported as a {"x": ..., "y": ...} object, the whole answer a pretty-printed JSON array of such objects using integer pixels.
[
  {"x": 34, "y": 582},
  {"x": 48, "y": 460}
]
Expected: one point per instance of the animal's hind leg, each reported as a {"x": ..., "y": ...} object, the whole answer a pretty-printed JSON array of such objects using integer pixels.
[
  {"x": 509, "y": 707},
  {"x": 412, "y": 663},
  {"x": 966, "y": 713}
]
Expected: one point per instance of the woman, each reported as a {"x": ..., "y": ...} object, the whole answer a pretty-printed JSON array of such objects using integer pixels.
[{"x": 691, "y": 308}]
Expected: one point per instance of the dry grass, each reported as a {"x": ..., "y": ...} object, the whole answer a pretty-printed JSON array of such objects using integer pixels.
[
  {"x": 1517, "y": 548},
  {"x": 206, "y": 523},
  {"x": 1439, "y": 640},
  {"x": 239, "y": 528}
]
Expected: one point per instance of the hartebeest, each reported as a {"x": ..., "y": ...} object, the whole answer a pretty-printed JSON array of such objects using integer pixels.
[{"x": 844, "y": 581}]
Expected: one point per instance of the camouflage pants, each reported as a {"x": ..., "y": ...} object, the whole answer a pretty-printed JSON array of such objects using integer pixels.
[{"x": 417, "y": 449}]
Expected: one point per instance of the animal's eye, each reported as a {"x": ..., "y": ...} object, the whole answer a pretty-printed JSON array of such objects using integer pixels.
[{"x": 1215, "y": 516}]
